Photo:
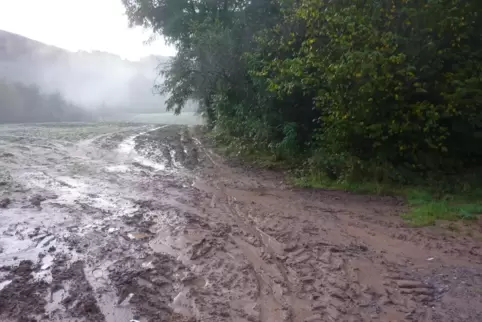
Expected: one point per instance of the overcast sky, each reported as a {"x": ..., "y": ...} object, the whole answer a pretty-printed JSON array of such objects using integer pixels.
[{"x": 79, "y": 25}]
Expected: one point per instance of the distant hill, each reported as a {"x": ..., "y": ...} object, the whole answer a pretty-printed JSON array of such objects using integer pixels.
[
  {"x": 89, "y": 79},
  {"x": 26, "y": 104}
]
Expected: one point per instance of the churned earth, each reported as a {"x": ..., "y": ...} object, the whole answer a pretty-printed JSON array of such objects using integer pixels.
[{"x": 132, "y": 222}]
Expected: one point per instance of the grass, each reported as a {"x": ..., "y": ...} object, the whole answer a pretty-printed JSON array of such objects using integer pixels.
[
  {"x": 427, "y": 208},
  {"x": 427, "y": 205},
  {"x": 249, "y": 156}
]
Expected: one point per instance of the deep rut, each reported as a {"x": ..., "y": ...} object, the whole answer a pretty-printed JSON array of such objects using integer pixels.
[
  {"x": 274, "y": 290},
  {"x": 278, "y": 284}
]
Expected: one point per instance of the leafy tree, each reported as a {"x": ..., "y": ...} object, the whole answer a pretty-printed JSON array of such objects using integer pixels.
[{"x": 362, "y": 89}]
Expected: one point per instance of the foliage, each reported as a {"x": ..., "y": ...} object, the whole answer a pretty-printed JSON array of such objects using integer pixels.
[
  {"x": 214, "y": 39},
  {"x": 21, "y": 103},
  {"x": 398, "y": 86},
  {"x": 380, "y": 91}
]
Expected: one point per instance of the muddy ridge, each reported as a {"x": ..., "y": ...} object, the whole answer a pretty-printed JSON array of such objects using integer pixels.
[{"x": 133, "y": 222}]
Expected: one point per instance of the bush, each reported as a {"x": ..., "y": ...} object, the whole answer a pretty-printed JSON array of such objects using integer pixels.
[{"x": 397, "y": 86}]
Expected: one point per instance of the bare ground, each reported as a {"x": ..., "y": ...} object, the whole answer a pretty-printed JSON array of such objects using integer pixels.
[{"x": 133, "y": 222}]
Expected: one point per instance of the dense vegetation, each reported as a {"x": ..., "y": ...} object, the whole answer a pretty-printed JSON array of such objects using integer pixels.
[
  {"x": 385, "y": 91},
  {"x": 20, "y": 104}
]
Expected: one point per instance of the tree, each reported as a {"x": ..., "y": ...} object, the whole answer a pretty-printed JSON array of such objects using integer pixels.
[{"x": 357, "y": 85}]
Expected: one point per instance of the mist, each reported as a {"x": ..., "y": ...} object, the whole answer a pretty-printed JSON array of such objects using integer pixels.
[{"x": 103, "y": 84}]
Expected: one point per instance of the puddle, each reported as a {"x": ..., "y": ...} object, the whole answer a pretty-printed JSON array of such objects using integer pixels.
[{"x": 127, "y": 148}]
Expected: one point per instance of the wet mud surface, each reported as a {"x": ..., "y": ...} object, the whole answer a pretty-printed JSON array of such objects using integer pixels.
[{"x": 129, "y": 222}]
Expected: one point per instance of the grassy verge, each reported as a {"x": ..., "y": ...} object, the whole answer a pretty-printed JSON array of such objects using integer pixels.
[
  {"x": 427, "y": 205},
  {"x": 250, "y": 156}
]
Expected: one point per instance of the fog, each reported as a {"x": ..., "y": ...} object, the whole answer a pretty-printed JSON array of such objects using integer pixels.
[
  {"x": 101, "y": 83},
  {"x": 88, "y": 79}
]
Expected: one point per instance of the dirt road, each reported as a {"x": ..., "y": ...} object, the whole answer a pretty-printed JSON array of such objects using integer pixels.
[{"x": 130, "y": 222}]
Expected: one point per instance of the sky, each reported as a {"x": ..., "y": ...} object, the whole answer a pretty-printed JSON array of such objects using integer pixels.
[{"x": 80, "y": 25}]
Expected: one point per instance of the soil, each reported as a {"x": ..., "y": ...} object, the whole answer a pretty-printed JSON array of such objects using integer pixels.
[{"x": 131, "y": 222}]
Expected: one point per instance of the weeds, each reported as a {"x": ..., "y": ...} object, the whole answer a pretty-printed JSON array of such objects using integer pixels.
[{"x": 426, "y": 205}]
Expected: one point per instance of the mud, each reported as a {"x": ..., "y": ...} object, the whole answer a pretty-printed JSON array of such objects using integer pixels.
[
  {"x": 69, "y": 284},
  {"x": 22, "y": 296},
  {"x": 121, "y": 222}
]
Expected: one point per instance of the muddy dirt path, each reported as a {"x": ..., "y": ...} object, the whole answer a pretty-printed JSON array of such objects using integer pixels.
[{"x": 131, "y": 222}]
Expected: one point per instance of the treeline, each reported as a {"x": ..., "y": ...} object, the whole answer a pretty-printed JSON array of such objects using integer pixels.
[
  {"x": 386, "y": 90},
  {"x": 24, "y": 104}
]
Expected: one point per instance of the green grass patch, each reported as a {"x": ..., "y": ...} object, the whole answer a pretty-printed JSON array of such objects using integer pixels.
[
  {"x": 319, "y": 182},
  {"x": 427, "y": 205}
]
